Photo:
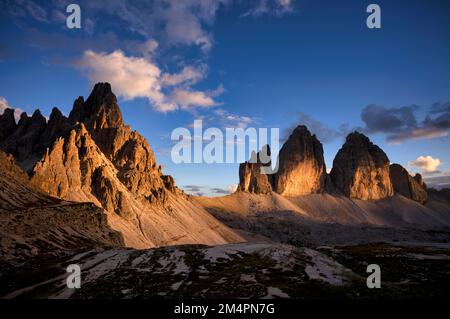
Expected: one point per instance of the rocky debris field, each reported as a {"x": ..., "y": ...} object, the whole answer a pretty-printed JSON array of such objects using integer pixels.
[{"x": 248, "y": 270}]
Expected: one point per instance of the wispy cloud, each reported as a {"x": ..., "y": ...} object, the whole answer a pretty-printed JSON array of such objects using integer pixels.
[
  {"x": 270, "y": 7},
  {"x": 220, "y": 191},
  {"x": 227, "y": 119},
  {"x": 197, "y": 190}
]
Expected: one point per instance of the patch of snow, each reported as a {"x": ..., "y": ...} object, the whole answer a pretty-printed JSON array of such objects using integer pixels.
[
  {"x": 142, "y": 258},
  {"x": 103, "y": 263},
  {"x": 324, "y": 268},
  {"x": 224, "y": 251},
  {"x": 175, "y": 261},
  {"x": 248, "y": 278},
  {"x": 273, "y": 292},
  {"x": 429, "y": 257},
  {"x": 176, "y": 285},
  {"x": 221, "y": 280}
]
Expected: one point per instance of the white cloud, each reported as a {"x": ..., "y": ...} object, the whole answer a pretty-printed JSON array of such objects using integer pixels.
[
  {"x": 232, "y": 188},
  {"x": 133, "y": 77},
  {"x": 427, "y": 164},
  {"x": 4, "y": 105}
]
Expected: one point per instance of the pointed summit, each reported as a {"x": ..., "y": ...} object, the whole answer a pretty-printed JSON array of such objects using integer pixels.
[
  {"x": 100, "y": 109},
  {"x": 57, "y": 125},
  {"x": 301, "y": 165},
  {"x": 361, "y": 169}
]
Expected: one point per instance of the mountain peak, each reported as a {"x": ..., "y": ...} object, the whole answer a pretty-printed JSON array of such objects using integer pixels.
[
  {"x": 357, "y": 138},
  {"x": 301, "y": 165},
  {"x": 55, "y": 113},
  {"x": 361, "y": 169},
  {"x": 102, "y": 93},
  {"x": 100, "y": 109}
]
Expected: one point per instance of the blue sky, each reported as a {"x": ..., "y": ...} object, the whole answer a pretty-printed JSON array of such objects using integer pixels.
[{"x": 262, "y": 63}]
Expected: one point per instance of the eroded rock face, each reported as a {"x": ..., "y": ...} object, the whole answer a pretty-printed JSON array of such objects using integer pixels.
[
  {"x": 251, "y": 179},
  {"x": 127, "y": 150},
  {"x": 91, "y": 152},
  {"x": 74, "y": 168},
  {"x": 408, "y": 186},
  {"x": 301, "y": 165},
  {"x": 361, "y": 169}
]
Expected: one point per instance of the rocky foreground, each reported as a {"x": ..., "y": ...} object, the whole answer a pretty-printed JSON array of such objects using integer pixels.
[{"x": 256, "y": 270}]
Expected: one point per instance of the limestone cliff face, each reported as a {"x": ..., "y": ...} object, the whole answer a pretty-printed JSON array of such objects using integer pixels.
[
  {"x": 301, "y": 165},
  {"x": 251, "y": 179},
  {"x": 64, "y": 154},
  {"x": 408, "y": 186},
  {"x": 361, "y": 169},
  {"x": 127, "y": 150},
  {"x": 75, "y": 169}
]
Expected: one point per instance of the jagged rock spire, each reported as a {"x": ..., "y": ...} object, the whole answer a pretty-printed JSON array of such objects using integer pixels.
[{"x": 251, "y": 179}]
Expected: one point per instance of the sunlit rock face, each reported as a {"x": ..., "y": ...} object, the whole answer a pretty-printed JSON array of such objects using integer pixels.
[
  {"x": 408, "y": 186},
  {"x": 127, "y": 150},
  {"x": 251, "y": 179},
  {"x": 361, "y": 169},
  {"x": 301, "y": 168},
  {"x": 92, "y": 151}
]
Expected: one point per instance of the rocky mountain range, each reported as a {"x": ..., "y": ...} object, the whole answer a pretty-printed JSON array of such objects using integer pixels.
[
  {"x": 361, "y": 170},
  {"x": 85, "y": 188},
  {"x": 92, "y": 156}
]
